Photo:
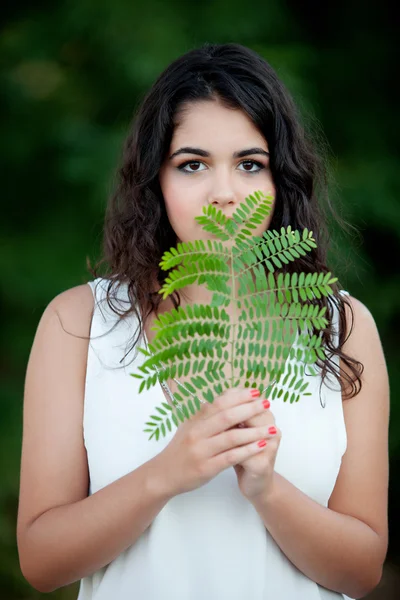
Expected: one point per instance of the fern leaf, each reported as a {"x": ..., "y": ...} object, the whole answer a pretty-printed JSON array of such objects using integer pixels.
[{"x": 280, "y": 316}]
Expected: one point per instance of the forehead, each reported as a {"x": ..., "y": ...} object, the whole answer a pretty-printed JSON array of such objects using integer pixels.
[{"x": 209, "y": 121}]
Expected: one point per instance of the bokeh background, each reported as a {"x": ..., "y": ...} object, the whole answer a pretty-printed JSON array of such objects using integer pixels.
[{"x": 72, "y": 74}]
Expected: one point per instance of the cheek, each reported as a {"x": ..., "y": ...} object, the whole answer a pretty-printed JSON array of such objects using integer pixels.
[
  {"x": 177, "y": 195},
  {"x": 181, "y": 215},
  {"x": 183, "y": 200},
  {"x": 178, "y": 210}
]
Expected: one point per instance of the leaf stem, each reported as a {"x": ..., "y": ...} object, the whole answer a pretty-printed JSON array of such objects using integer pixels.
[{"x": 234, "y": 322}]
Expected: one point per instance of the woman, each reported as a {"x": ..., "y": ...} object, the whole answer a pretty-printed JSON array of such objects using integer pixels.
[{"x": 302, "y": 516}]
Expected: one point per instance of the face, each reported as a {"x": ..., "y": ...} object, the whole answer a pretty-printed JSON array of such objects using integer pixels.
[{"x": 207, "y": 170}]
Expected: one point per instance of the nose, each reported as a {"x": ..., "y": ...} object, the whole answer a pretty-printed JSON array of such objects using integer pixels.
[{"x": 222, "y": 199}]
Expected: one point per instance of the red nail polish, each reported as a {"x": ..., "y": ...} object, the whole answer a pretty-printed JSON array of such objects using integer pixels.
[
  {"x": 262, "y": 443},
  {"x": 272, "y": 430},
  {"x": 255, "y": 393},
  {"x": 266, "y": 404}
]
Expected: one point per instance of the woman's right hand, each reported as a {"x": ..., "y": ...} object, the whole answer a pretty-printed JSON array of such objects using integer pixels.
[{"x": 210, "y": 441}]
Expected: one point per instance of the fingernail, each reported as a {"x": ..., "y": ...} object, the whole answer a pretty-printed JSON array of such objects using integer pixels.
[
  {"x": 266, "y": 404},
  {"x": 262, "y": 443},
  {"x": 255, "y": 393},
  {"x": 272, "y": 430}
]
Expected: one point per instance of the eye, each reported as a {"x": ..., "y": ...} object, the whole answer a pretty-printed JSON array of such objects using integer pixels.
[
  {"x": 198, "y": 162},
  {"x": 189, "y": 162},
  {"x": 253, "y": 162}
]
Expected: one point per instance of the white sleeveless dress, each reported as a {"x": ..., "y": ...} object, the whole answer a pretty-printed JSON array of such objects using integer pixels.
[{"x": 210, "y": 543}]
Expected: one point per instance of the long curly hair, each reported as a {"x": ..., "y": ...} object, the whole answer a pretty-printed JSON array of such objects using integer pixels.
[{"x": 137, "y": 230}]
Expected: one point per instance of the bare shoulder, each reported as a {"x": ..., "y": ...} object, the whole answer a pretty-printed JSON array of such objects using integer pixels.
[
  {"x": 53, "y": 461},
  {"x": 363, "y": 341},
  {"x": 364, "y": 470},
  {"x": 75, "y": 307},
  {"x": 362, "y": 316}
]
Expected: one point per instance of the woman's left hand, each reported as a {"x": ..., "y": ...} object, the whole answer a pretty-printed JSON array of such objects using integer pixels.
[{"x": 255, "y": 474}]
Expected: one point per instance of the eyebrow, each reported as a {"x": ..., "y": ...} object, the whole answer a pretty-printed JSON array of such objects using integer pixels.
[{"x": 200, "y": 152}]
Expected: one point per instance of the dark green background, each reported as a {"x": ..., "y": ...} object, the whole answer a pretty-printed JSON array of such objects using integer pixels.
[{"x": 72, "y": 74}]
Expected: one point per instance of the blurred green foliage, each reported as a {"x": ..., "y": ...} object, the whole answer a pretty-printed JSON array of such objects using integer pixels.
[{"x": 72, "y": 73}]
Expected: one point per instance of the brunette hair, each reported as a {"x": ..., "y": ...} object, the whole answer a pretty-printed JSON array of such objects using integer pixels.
[{"x": 137, "y": 230}]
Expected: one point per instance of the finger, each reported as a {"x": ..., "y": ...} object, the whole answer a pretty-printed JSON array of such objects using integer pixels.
[
  {"x": 237, "y": 455},
  {"x": 229, "y": 398},
  {"x": 230, "y": 417},
  {"x": 265, "y": 418},
  {"x": 239, "y": 437}
]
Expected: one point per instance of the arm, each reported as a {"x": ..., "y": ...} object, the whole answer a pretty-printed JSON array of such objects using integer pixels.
[
  {"x": 62, "y": 534},
  {"x": 69, "y": 542},
  {"x": 343, "y": 546},
  {"x": 337, "y": 551}
]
